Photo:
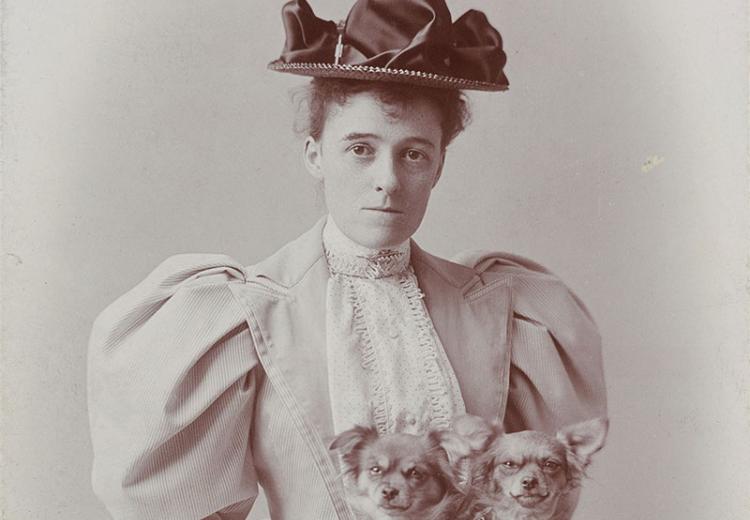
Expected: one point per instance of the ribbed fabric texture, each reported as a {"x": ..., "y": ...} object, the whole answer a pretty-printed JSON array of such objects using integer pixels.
[
  {"x": 185, "y": 421},
  {"x": 171, "y": 394},
  {"x": 286, "y": 470}
]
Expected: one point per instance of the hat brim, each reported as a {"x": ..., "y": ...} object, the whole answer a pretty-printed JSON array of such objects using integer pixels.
[{"x": 365, "y": 72}]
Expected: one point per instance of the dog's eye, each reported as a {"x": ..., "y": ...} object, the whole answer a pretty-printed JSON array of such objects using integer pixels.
[
  {"x": 414, "y": 473},
  {"x": 375, "y": 470},
  {"x": 551, "y": 465},
  {"x": 509, "y": 464}
]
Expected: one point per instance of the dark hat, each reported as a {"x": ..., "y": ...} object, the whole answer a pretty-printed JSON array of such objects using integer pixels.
[{"x": 408, "y": 41}]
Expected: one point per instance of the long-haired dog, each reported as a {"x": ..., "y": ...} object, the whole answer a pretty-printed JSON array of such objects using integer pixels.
[
  {"x": 527, "y": 475},
  {"x": 403, "y": 476}
]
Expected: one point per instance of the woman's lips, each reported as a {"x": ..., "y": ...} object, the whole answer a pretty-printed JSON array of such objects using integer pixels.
[{"x": 383, "y": 210}]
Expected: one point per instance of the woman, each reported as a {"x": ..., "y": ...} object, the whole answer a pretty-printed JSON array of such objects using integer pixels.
[{"x": 209, "y": 378}]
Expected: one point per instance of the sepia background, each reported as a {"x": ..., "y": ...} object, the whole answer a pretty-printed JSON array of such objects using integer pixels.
[{"x": 136, "y": 130}]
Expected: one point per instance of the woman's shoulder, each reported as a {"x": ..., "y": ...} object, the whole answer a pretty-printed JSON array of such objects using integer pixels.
[
  {"x": 484, "y": 261},
  {"x": 203, "y": 267},
  {"x": 181, "y": 285},
  {"x": 183, "y": 272},
  {"x": 537, "y": 292}
]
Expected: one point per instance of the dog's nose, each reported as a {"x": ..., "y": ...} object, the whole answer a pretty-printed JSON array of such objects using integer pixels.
[
  {"x": 529, "y": 482},
  {"x": 389, "y": 493}
]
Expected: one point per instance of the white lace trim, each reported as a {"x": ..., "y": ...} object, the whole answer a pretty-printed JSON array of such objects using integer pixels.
[
  {"x": 386, "y": 365},
  {"x": 379, "y": 413},
  {"x": 441, "y": 413}
]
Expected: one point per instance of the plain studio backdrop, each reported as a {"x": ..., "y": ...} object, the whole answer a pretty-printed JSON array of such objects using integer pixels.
[{"x": 137, "y": 130}]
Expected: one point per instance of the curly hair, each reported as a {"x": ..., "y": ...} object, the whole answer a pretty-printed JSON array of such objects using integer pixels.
[{"x": 321, "y": 93}]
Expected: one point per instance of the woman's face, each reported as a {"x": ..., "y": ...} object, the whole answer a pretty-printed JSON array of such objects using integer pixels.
[{"x": 378, "y": 164}]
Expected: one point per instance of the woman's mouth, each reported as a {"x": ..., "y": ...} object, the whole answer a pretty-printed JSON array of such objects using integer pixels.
[{"x": 383, "y": 209}]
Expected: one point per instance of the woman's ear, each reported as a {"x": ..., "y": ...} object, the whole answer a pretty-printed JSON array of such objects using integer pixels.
[{"x": 312, "y": 158}]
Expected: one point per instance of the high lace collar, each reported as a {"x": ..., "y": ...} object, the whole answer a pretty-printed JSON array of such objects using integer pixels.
[{"x": 350, "y": 258}]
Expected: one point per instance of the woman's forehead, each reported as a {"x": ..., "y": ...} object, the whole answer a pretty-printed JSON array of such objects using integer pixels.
[{"x": 367, "y": 113}]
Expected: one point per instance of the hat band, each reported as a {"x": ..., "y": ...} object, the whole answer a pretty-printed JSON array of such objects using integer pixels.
[{"x": 368, "y": 72}]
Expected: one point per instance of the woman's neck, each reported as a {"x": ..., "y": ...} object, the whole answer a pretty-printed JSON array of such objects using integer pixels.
[{"x": 348, "y": 257}]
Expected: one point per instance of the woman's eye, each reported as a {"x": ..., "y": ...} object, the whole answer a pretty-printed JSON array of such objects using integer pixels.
[
  {"x": 415, "y": 155},
  {"x": 375, "y": 470},
  {"x": 360, "y": 150}
]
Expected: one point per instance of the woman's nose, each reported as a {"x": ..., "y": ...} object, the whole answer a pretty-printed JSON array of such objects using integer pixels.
[{"x": 385, "y": 174}]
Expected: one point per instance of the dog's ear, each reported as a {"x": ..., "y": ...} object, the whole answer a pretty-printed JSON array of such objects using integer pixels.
[
  {"x": 454, "y": 445},
  {"x": 584, "y": 439},
  {"x": 475, "y": 430},
  {"x": 348, "y": 440},
  {"x": 452, "y": 462}
]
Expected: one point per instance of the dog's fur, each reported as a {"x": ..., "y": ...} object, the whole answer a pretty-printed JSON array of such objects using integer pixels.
[
  {"x": 527, "y": 475},
  {"x": 473, "y": 472},
  {"x": 403, "y": 476}
]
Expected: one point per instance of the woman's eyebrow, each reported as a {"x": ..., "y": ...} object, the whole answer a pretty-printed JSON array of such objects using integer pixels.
[
  {"x": 358, "y": 135},
  {"x": 355, "y": 136},
  {"x": 421, "y": 140}
]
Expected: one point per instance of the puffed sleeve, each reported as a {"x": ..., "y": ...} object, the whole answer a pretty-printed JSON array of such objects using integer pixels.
[
  {"x": 556, "y": 375},
  {"x": 171, "y": 387}
]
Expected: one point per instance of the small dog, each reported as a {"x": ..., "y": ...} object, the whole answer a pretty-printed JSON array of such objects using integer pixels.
[
  {"x": 526, "y": 475},
  {"x": 403, "y": 476}
]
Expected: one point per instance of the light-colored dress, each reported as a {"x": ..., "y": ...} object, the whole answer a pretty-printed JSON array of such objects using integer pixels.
[{"x": 210, "y": 378}]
